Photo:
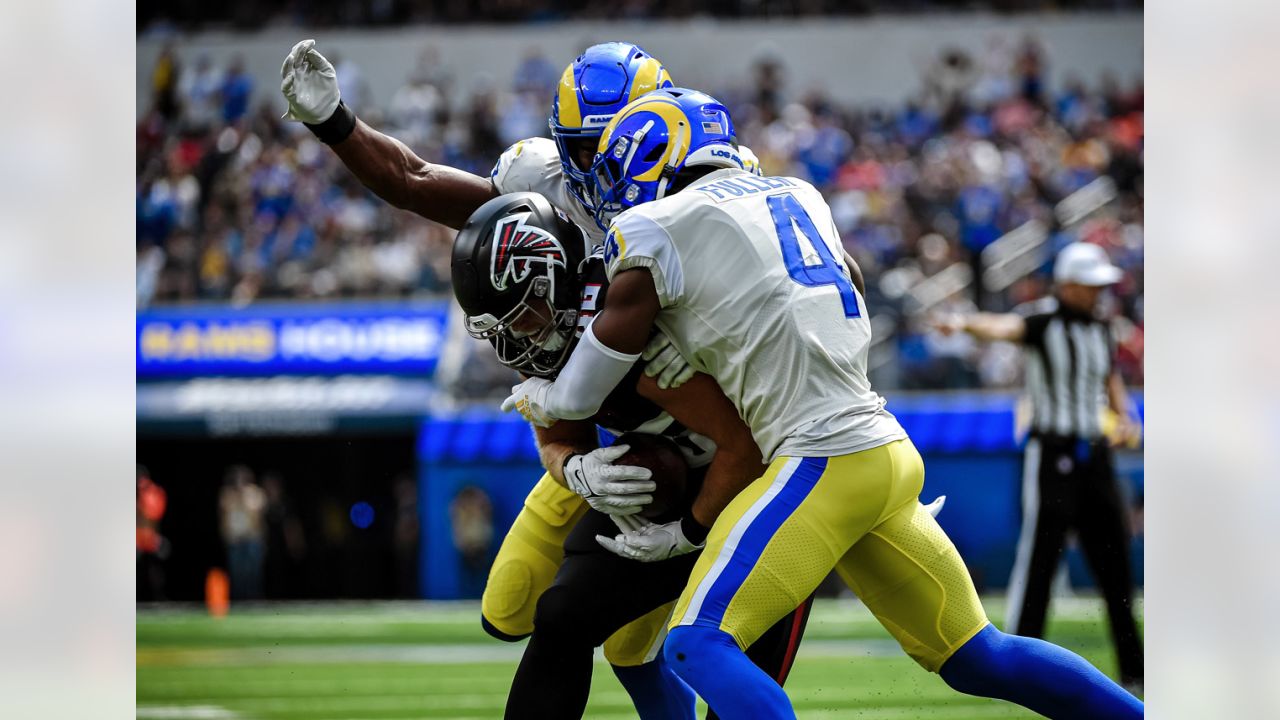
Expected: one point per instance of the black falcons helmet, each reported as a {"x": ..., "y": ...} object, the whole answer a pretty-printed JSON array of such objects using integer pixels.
[{"x": 516, "y": 276}]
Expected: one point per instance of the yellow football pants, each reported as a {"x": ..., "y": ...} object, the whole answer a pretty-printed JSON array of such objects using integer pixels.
[
  {"x": 527, "y": 563},
  {"x": 859, "y": 514}
]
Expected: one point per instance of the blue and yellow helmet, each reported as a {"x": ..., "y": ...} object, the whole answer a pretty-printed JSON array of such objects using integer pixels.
[
  {"x": 646, "y": 145},
  {"x": 595, "y": 86}
]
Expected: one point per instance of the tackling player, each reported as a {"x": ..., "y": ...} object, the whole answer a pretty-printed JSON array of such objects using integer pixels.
[
  {"x": 593, "y": 87},
  {"x": 742, "y": 274},
  {"x": 520, "y": 274}
]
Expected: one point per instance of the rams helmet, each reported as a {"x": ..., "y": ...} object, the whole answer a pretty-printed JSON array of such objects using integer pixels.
[
  {"x": 652, "y": 140},
  {"x": 595, "y": 86}
]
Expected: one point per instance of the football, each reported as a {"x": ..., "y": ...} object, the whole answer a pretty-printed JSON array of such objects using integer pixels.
[{"x": 670, "y": 471}]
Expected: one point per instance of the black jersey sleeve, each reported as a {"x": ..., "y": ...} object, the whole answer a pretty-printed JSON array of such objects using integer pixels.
[
  {"x": 1036, "y": 324},
  {"x": 1036, "y": 314}
]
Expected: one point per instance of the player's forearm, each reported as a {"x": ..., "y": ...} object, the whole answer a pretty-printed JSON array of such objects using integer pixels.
[
  {"x": 994, "y": 326},
  {"x": 396, "y": 174},
  {"x": 702, "y": 406},
  {"x": 558, "y": 442},
  {"x": 1117, "y": 395},
  {"x": 731, "y": 471},
  {"x": 553, "y": 457}
]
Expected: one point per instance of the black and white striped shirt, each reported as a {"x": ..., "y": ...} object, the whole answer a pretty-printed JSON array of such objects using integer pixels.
[{"x": 1069, "y": 357}]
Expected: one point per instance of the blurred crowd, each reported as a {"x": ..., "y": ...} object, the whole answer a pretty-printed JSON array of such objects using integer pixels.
[
  {"x": 276, "y": 540},
  {"x": 986, "y": 148},
  {"x": 153, "y": 15},
  {"x": 236, "y": 205}
]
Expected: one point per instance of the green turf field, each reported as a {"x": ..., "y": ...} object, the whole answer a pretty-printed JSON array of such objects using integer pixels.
[{"x": 421, "y": 660}]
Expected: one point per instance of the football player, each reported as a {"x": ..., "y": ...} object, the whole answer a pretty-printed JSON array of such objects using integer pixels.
[
  {"x": 744, "y": 275},
  {"x": 592, "y": 88},
  {"x": 523, "y": 277}
]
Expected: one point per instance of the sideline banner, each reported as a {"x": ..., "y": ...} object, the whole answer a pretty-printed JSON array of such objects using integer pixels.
[{"x": 290, "y": 338}]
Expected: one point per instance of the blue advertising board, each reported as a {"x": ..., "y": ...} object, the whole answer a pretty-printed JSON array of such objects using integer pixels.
[
  {"x": 971, "y": 449},
  {"x": 284, "y": 338}
]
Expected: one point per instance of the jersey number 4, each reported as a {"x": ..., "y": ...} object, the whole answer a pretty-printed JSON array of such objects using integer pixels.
[{"x": 788, "y": 213}]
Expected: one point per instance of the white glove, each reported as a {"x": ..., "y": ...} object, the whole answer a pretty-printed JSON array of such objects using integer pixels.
[
  {"x": 644, "y": 541},
  {"x": 530, "y": 399},
  {"x": 935, "y": 507},
  {"x": 611, "y": 489},
  {"x": 309, "y": 84},
  {"x": 666, "y": 363}
]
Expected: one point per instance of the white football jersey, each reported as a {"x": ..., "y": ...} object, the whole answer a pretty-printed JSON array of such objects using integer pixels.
[
  {"x": 754, "y": 292},
  {"x": 533, "y": 165}
]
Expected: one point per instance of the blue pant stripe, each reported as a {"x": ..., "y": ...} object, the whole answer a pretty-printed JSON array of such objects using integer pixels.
[{"x": 757, "y": 535}]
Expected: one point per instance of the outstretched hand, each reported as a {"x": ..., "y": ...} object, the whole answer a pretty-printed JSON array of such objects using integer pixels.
[{"x": 309, "y": 84}]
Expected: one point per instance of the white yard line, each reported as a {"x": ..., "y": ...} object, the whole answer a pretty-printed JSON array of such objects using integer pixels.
[
  {"x": 466, "y": 612},
  {"x": 439, "y": 654},
  {"x": 185, "y": 712}
]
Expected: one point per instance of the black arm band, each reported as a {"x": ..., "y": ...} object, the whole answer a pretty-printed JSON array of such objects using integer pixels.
[
  {"x": 693, "y": 530},
  {"x": 337, "y": 128}
]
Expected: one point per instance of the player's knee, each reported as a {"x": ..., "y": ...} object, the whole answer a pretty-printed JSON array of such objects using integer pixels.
[
  {"x": 562, "y": 616},
  {"x": 508, "y": 601},
  {"x": 680, "y": 645},
  {"x": 494, "y": 632},
  {"x": 690, "y": 648},
  {"x": 978, "y": 665}
]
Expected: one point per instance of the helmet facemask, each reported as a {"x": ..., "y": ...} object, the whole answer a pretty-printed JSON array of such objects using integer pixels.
[
  {"x": 569, "y": 142},
  {"x": 613, "y": 172},
  {"x": 516, "y": 269},
  {"x": 533, "y": 337}
]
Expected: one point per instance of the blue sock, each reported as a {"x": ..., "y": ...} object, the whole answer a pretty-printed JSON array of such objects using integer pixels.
[
  {"x": 657, "y": 692},
  {"x": 1041, "y": 676},
  {"x": 710, "y": 661}
]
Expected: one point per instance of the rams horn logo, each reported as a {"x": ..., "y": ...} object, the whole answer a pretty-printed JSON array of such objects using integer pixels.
[{"x": 517, "y": 248}]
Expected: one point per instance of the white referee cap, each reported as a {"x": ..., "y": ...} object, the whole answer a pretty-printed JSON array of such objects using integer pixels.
[{"x": 1085, "y": 264}]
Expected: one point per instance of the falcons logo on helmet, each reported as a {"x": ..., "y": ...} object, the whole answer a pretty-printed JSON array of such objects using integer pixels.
[{"x": 517, "y": 248}]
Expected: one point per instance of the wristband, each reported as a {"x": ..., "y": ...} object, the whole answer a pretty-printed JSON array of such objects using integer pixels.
[
  {"x": 693, "y": 530},
  {"x": 337, "y": 128},
  {"x": 564, "y": 466}
]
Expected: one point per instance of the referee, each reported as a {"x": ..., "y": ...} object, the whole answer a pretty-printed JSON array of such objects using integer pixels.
[{"x": 1068, "y": 483}]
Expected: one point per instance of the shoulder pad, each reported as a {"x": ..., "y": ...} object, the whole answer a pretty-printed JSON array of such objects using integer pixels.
[
  {"x": 639, "y": 240},
  {"x": 529, "y": 165},
  {"x": 750, "y": 162}
]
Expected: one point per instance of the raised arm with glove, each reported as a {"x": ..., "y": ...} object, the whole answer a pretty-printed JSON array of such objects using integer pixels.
[{"x": 385, "y": 165}]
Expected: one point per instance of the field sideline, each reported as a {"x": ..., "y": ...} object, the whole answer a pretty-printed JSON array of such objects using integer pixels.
[{"x": 395, "y": 661}]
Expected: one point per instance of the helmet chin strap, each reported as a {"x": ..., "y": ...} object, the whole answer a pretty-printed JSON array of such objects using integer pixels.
[
  {"x": 635, "y": 146},
  {"x": 669, "y": 170}
]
